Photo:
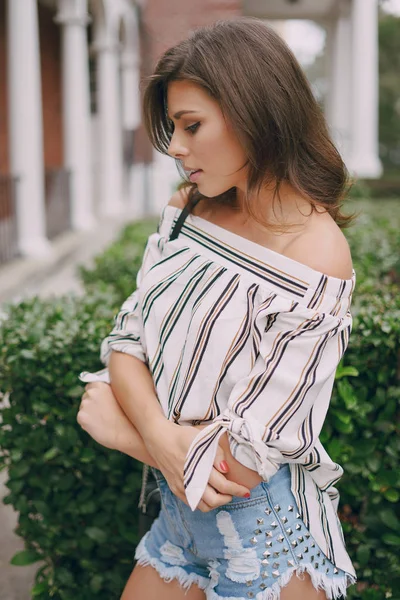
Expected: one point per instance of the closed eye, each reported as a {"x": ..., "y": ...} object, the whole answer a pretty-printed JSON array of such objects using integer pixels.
[{"x": 193, "y": 128}]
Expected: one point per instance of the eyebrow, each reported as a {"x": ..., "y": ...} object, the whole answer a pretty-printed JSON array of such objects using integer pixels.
[{"x": 183, "y": 112}]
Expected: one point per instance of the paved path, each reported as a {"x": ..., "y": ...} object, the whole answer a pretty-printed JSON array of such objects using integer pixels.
[
  {"x": 15, "y": 582},
  {"x": 18, "y": 280}
]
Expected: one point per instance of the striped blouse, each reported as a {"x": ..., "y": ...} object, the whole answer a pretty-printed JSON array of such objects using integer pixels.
[{"x": 247, "y": 340}]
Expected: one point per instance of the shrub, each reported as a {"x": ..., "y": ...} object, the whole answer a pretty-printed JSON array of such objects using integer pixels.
[
  {"x": 118, "y": 265},
  {"x": 359, "y": 190},
  {"x": 375, "y": 244},
  {"x": 76, "y": 500},
  {"x": 362, "y": 434}
]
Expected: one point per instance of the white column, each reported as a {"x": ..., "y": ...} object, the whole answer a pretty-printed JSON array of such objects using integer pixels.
[
  {"x": 339, "y": 94},
  {"x": 73, "y": 17},
  {"x": 110, "y": 131},
  {"x": 130, "y": 73},
  {"x": 131, "y": 119},
  {"x": 138, "y": 179},
  {"x": 364, "y": 160},
  {"x": 25, "y": 125}
]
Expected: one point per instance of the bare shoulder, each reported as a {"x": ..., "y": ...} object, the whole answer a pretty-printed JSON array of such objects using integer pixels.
[
  {"x": 179, "y": 198},
  {"x": 323, "y": 247}
]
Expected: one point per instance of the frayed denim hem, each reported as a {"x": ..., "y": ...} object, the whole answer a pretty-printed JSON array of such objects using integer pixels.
[
  {"x": 334, "y": 589},
  {"x": 184, "y": 579}
]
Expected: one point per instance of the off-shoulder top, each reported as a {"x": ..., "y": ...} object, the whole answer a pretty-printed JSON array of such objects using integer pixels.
[{"x": 247, "y": 340}]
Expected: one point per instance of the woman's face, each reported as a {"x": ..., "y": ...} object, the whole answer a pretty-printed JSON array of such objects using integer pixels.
[{"x": 203, "y": 140}]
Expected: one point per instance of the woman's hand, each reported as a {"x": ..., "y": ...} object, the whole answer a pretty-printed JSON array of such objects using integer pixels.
[
  {"x": 104, "y": 420},
  {"x": 238, "y": 472},
  {"x": 169, "y": 446}
]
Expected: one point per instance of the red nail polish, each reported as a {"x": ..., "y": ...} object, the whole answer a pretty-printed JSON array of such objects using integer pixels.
[
  {"x": 224, "y": 466},
  {"x": 247, "y": 495}
]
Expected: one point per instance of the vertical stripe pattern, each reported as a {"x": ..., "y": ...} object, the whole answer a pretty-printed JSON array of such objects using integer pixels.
[{"x": 246, "y": 341}]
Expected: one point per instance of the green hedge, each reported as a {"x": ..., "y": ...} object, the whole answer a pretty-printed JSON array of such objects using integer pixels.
[
  {"x": 362, "y": 427},
  {"x": 77, "y": 501},
  {"x": 375, "y": 246},
  {"x": 118, "y": 265},
  {"x": 362, "y": 434}
]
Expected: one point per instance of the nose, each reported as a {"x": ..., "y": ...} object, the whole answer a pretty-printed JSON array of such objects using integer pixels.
[{"x": 176, "y": 148}]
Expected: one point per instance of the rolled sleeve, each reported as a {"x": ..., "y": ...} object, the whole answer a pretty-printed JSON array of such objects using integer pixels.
[
  {"x": 275, "y": 413},
  {"x": 127, "y": 333},
  {"x": 126, "y": 336}
]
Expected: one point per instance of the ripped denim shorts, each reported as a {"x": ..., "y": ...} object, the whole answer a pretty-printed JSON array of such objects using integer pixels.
[{"x": 248, "y": 548}]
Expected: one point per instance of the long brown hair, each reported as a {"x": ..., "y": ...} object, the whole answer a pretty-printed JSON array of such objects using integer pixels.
[{"x": 264, "y": 94}]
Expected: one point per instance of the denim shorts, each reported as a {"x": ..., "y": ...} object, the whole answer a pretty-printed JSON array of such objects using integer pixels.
[{"x": 248, "y": 548}]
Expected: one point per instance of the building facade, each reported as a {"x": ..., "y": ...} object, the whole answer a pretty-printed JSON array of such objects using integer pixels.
[{"x": 72, "y": 144}]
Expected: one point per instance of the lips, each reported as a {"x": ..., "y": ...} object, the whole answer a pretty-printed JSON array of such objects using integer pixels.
[{"x": 194, "y": 175}]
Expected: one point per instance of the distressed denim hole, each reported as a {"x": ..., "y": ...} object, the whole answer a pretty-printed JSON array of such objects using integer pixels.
[
  {"x": 243, "y": 564},
  {"x": 172, "y": 554}
]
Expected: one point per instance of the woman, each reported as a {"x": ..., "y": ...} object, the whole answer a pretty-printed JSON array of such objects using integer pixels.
[{"x": 222, "y": 362}]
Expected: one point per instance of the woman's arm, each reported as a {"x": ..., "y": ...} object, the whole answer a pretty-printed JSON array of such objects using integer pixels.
[
  {"x": 102, "y": 417},
  {"x": 167, "y": 442},
  {"x": 133, "y": 386}
]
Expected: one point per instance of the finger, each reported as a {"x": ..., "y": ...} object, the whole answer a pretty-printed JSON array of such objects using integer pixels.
[
  {"x": 203, "y": 507},
  {"x": 211, "y": 498},
  {"x": 81, "y": 419},
  {"x": 223, "y": 486},
  {"x": 214, "y": 499},
  {"x": 84, "y": 404},
  {"x": 87, "y": 398},
  {"x": 91, "y": 395},
  {"x": 220, "y": 462},
  {"x": 95, "y": 385},
  {"x": 181, "y": 494}
]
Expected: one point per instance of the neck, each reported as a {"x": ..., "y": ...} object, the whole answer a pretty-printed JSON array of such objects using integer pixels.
[{"x": 288, "y": 208}]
